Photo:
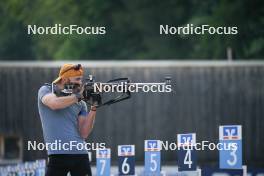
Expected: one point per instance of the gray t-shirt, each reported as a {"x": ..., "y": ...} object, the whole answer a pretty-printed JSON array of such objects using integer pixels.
[{"x": 61, "y": 126}]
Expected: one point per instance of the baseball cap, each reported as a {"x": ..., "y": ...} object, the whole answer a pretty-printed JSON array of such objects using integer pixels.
[{"x": 69, "y": 70}]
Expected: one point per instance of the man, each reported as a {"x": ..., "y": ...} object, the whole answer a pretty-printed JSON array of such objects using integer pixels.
[{"x": 66, "y": 121}]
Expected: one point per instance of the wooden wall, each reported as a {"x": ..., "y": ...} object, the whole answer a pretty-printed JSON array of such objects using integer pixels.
[{"x": 206, "y": 95}]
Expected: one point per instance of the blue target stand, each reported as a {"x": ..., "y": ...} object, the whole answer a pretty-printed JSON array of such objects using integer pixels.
[
  {"x": 103, "y": 162},
  {"x": 90, "y": 156},
  {"x": 187, "y": 157},
  {"x": 36, "y": 168},
  {"x": 152, "y": 158},
  {"x": 126, "y": 159},
  {"x": 40, "y": 167},
  {"x": 230, "y": 136}
]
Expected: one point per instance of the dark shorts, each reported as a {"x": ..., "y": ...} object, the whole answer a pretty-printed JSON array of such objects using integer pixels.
[{"x": 61, "y": 164}]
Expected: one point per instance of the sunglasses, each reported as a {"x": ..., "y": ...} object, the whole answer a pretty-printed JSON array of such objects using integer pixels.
[{"x": 77, "y": 79}]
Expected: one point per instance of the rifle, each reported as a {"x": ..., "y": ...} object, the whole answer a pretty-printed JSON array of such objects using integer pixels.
[{"x": 94, "y": 91}]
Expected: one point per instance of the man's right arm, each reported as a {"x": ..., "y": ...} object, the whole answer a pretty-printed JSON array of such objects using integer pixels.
[{"x": 54, "y": 102}]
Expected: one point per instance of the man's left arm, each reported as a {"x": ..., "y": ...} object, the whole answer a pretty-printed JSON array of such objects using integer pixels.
[{"x": 86, "y": 121}]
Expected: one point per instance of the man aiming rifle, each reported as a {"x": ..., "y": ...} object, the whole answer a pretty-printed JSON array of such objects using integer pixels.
[{"x": 66, "y": 119}]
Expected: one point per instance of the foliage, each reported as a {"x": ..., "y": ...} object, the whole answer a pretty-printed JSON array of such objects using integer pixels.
[{"x": 132, "y": 29}]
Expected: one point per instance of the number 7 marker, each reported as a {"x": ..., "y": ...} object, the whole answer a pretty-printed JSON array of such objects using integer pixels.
[{"x": 103, "y": 162}]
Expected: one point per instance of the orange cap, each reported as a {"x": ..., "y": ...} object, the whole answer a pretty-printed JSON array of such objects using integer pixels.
[{"x": 69, "y": 70}]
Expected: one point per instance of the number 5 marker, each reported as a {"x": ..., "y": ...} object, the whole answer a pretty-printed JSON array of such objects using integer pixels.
[{"x": 152, "y": 157}]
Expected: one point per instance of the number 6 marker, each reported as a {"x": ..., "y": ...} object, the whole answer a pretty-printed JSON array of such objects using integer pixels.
[{"x": 126, "y": 159}]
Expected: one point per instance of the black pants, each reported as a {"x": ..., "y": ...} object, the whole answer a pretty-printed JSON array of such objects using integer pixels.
[{"x": 61, "y": 164}]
